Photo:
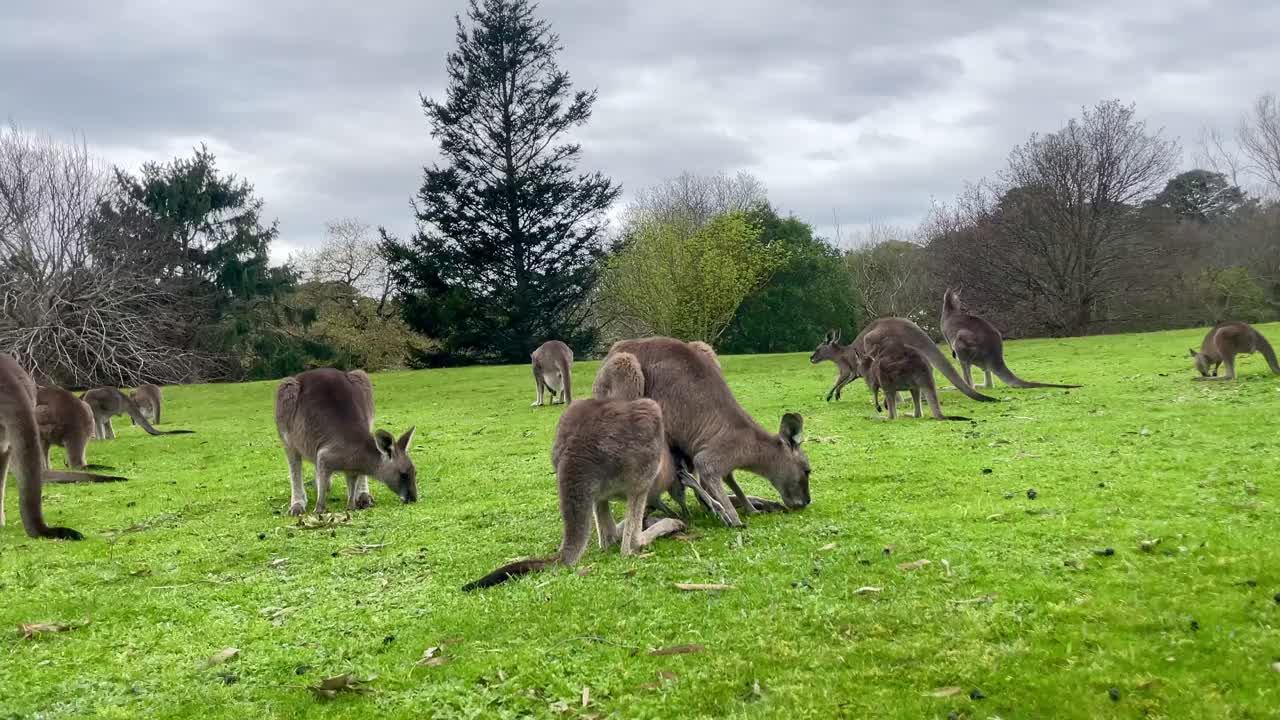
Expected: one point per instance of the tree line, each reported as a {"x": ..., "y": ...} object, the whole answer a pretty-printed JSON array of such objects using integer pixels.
[{"x": 111, "y": 276}]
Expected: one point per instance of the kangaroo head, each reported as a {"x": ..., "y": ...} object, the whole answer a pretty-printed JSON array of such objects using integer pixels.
[
  {"x": 1202, "y": 363},
  {"x": 789, "y": 473},
  {"x": 397, "y": 470},
  {"x": 828, "y": 349},
  {"x": 951, "y": 300}
]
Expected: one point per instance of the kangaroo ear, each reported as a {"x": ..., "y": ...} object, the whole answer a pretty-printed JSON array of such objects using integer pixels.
[
  {"x": 403, "y": 443},
  {"x": 385, "y": 442},
  {"x": 789, "y": 431}
]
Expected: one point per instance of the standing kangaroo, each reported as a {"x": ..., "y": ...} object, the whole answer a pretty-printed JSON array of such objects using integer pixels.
[
  {"x": 707, "y": 425},
  {"x": 20, "y": 443},
  {"x": 108, "y": 402},
  {"x": 974, "y": 341},
  {"x": 845, "y": 359},
  {"x": 1226, "y": 340},
  {"x": 552, "y": 370},
  {"x": 604, "y": 450},
  {"x": 902, "y": 330},
  {"x": 148, "y": 399},
  {"x": 66, "y": 421},
  {"x": 898, "y": 367},
  {"x": 326, "y": 416}
]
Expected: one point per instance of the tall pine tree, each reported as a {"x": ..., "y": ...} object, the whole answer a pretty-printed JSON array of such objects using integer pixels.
[{"x": 508, "y": 232}]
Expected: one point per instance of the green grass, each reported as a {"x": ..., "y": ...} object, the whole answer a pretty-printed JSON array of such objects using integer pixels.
[{"x": 193, "y": 554}]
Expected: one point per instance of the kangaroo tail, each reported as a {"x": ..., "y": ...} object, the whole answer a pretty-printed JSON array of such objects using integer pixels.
[
  {"x": 63, "y": 477},
  {"x": 506, "y": 572},
  {"x": 1003, "y": 372},
  {"x": 939, "y": 361},
  {"x": 135, "y": 414},
  {"x": 961, "y": 418},
  {"x": 1265, "y": 348}
]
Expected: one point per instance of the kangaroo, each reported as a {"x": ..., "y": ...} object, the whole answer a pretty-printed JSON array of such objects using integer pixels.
[
  {"x": 148, "y": 399},
  {"x": 66, "y": 421},
  {"x": 902, "y": 330},
  {"x": 974, "y": 341},
  {"x": 552, "y": 365},
  {"x": 1226, "y": 340},
  {"x": 108, "y": 402},
  {"x": 900, "y": 367},
  {"x": 326, "y": 416},
  {"x": 707, "y": 425},
  {"x": 604, "y": 450},
  {"x": 20, "y": 442},
  {"x": 846, "y": 362}
]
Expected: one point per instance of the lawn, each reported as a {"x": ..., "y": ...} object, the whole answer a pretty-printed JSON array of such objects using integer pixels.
[{"x": 195, "y": 555}]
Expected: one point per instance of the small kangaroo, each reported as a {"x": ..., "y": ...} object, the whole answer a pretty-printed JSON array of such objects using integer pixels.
[
  {"x": 900, "y": 367},
  {"x": 974, "y": 341},
  {"x": 552, "y": 370},
  {"x": 707, "y": 425},
  {"x": 846, "y": 362},
  {"x": 604, "y": 450},
  {"x": 148, "y": 399},
  {"x": 326, "y": 416},
  {"x": 66, "y": 421},
  {"x": 20, "y": 443},
  {"x": 1226, "y": 340},
  {"x": 902, "y": 330},
  {"x": 108, "y": 402}
]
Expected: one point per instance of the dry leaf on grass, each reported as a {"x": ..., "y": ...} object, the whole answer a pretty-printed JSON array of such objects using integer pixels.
[
  {"x": 30, "y": 630},
  {"x": 362, "y": 549},
  {"x": 584, "y": 571},
  {"x": 278, "y": 562},
  {"x": 431, "y": 657},
  {"x": 976, "y": 601},
  {"x": 914, "y": 564},
  {"x": 946, "y": 692},
  {"x": 867, "y": 590},
  {"x": 277, "y": 616},
  {"x": 221, "y": 656},
  {"x": 1275, "y": 667},
  {"x": 827, "y": 548},
  {"x": 586, "y": 696},
  {"x": 678, "y": 650},
  {"x": 667, "y": 675},
  {"x": 320, "y": 522},
  {"x": 697, "y": 587},
  {"x": 331, "y": 686}
]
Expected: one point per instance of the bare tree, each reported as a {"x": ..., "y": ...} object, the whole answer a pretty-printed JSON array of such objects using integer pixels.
[
  {"x": 67, "y": 315},
  {"x": 1061, "y": 236},
  {"x": 690, "y": 201},
  {"x": 1254, "y": 151},
  {"x": 352, "y": 257},
  {"x": 887, "y": 267}
]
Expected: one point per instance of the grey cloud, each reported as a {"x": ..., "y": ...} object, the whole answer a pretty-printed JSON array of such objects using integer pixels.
[{"x": 863, "y": 109}]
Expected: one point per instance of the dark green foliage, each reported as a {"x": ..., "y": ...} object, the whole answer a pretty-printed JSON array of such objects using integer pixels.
[
  {"x": 1200, "y": 195},
  {"x": 810, "y": 294},
  {"x": 509, "y": 234}
]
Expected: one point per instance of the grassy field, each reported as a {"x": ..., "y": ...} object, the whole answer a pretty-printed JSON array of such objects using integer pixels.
[{"x": 195, "y": 555}]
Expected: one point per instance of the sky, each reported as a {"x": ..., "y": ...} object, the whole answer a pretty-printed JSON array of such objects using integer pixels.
[{"x": 852, "y": 113}]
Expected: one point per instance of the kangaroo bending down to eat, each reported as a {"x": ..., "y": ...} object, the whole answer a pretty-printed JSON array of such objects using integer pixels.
[
  {"x": 898, "y": 367},
  {"x": 706, "y": 424},
  {"x": 326, "y": 416},
  {"x": 148, "y": 398},
  {"x": 604, "y": 450},
  {"x": 974, "y": 341},
  {"x": 108, "y": 402},
  {"x": 66, "y": 421},
  {"x": 1226, "y": 340},
  {"x": 552, "y": 370},
  {"x": 20, "y": 443}
]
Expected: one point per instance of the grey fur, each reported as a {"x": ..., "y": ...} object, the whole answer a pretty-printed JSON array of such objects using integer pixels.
[
  {"x": 898, "y": 367},
  {"x": 974, "y": 341},
  {"x": 149, "y": 400},
  {"x": 325, "y": 416},
  {"x": 1226, "y": 340},
  {"x": 553, "y": 371},
  {"x": 108, "y": 402}
]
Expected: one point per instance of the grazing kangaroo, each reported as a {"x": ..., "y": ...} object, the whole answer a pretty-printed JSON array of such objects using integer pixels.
[
  {"x": 974, "y": 341},
  {"x": 326, "y": 416},
  {"x": 66, "y": 421},
  {"x": 20, "y": 443},
  {"x": 902, "y": 330},
  {"x": 707, "y": 425},
  {"x": 148, "y": 399},
  {"x": 900, "y": 367},
  {"x": 552, "y": 370},
  {"x": 108, "y": 402},
  {"x": 604, "y": 450},
  {"x": 1226, "y": 340}
]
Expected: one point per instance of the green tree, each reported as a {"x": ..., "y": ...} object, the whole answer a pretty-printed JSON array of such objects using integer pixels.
[
  {"x": 668, "y": 280},
  {"x": 809, "y": 294},
  {"x": 509, "y": 236},
  {"x": 1200, "y": 195}
]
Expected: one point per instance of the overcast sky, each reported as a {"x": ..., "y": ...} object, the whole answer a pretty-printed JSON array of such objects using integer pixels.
[{"x": 853, "y": 110}]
